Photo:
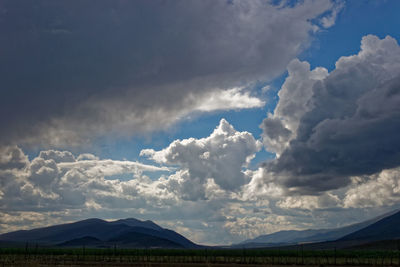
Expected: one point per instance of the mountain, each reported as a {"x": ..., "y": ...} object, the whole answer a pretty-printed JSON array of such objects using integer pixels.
[
  {"x": 382, "y": 234},
  {"x": 385, "y": 229},
  {"x": 135, "y": 222},
  {"x": 289, "y": 237},
  {"x": 86, "y": 241},
  {"x": 99, "y": 233},
  {"x": 135, "y": 239}
]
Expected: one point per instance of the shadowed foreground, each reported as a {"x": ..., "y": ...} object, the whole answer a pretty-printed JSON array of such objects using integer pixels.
[
  {"x": 89, "y": 264},
  {"x": 38, "y": 256}
]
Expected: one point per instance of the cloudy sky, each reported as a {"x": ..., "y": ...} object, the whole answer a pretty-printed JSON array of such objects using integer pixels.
[{"x": 220, "y": 119}]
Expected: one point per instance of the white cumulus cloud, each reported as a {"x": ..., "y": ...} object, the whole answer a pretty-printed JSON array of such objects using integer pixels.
[{"x": 220, "y": 156}]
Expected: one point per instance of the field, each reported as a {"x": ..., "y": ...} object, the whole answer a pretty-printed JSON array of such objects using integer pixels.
[{"x": 36, "y": 256}]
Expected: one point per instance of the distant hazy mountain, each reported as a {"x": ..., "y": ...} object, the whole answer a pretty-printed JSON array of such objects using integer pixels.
[
  {"x": 98, "y": 233},
  {"x": 282, "y": 238}
]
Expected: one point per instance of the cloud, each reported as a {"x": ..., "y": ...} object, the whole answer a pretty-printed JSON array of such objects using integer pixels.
[
  {"x": 45, "y": 192},
  {"x": 96, "y": 167},
  {"x": 281, "y": 127},
  {"x": 12, "y": 157},
  {"x": 75, "y": 71},
  {"x": 221, "y": 157},
  {"x": 261, "y": 186},
  {"x": 57, "y": 156},
  {"x": 63, "y": 187},
  {"x": 251, "y": 227},
  {"x": 55, "y": 180},
  {"x": 228, "y": 99},
  {"x": 87, "y": 156},
  {"x": 324, "y": 201},
  {"x": 382, "y": 189},
  {"x": 348, "y": 124},
  {"x": 329, "y": 21}
]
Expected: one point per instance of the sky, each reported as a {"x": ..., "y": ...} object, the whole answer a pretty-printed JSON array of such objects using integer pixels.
[{"x": 222, "y": 120}]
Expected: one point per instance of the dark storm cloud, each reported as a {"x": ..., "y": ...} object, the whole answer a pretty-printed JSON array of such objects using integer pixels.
[
  {"x": 73, "y": 69},
  {"x": 352, "y": 125},
  {"x": 275, "y": 129}
]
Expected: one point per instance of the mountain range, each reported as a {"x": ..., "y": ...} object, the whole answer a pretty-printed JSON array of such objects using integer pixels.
[
  {"x": 99, "y": 233},
  {"x": 290, "y": 237},
  {"x": 379, "y": 232}
]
